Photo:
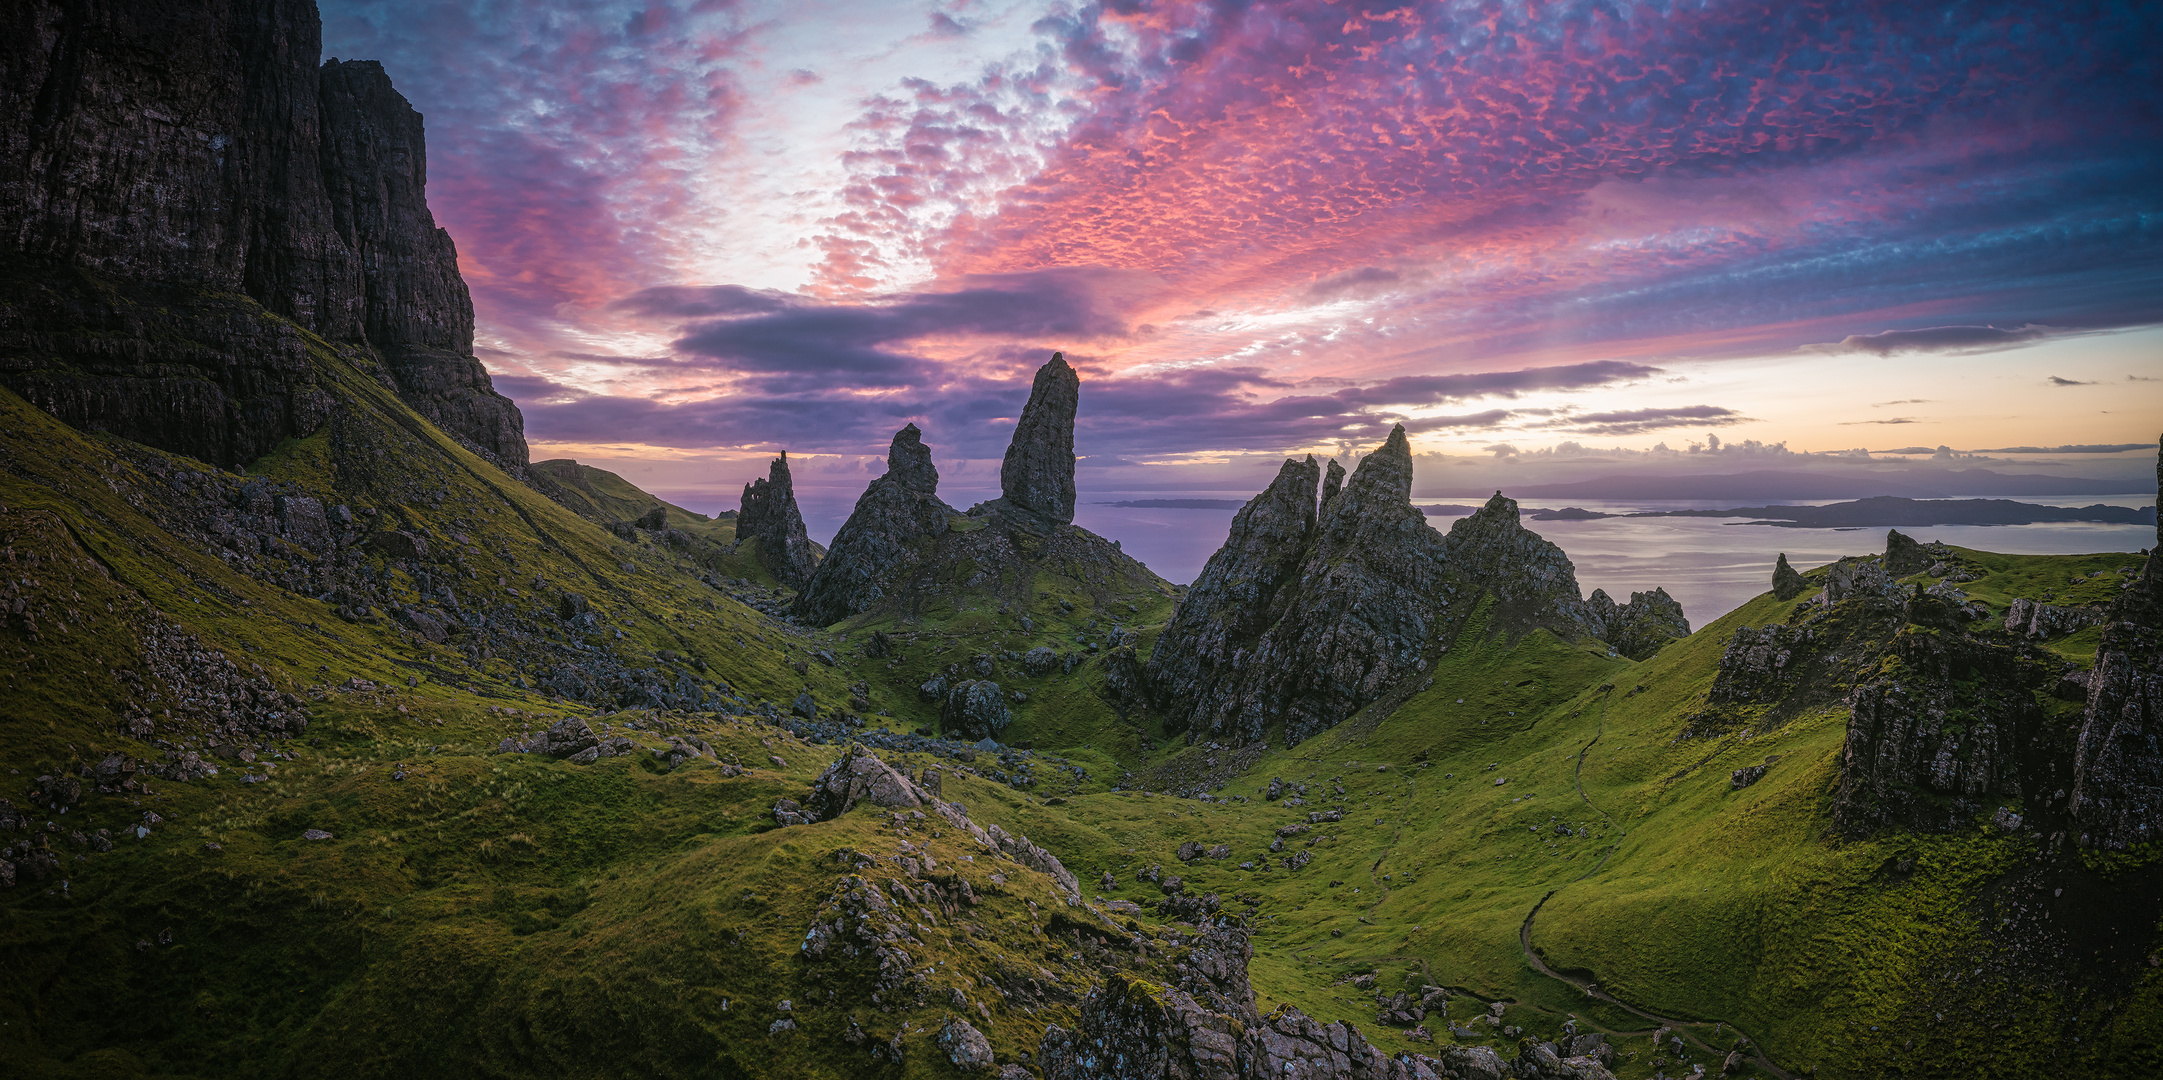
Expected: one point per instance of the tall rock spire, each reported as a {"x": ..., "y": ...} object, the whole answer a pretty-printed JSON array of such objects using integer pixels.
[
  {"x": 885, "y": 538},
  {"x": 770, "y": 518},
  {"x": 1038, "y": 475}
]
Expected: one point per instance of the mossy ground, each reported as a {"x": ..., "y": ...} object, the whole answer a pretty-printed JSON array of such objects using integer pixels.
[{"x": 508, "y": 915}]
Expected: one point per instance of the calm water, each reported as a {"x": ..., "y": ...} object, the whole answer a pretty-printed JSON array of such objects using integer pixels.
[{"x": 1710, "y": 565}]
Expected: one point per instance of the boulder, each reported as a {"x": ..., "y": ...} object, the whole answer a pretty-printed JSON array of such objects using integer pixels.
[
  {"x": 964, "y": 1046},
  {"x": 975, "y": 709},
  {"x": 858, "y": 776},
  {"x": 1903, "y": 556}
]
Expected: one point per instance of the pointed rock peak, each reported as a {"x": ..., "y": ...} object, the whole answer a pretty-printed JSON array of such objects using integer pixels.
[
  {"x": 1396, "y": 443},
  {"x": 1786, "y": 583},
  {"x": 1294, "y": 482},
  {"x": 1386, "y": 474},
  {"x": 768, "y": 515},
  {"x": 1332, "y": 482},
  {"x": 1038, "y": 474},
  {"x": 908, "y": 461}
]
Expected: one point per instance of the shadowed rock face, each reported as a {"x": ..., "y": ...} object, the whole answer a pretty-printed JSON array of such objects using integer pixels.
[
  {"x": 882, "y": 542},
  {"x": 770, "y": 518},
  {"x": 415, "y": 310},
  {"x": 1308, "y": 614},
  {"x": 160, "y": 162},
  {"x": 1038, "y": 474},
  {"x": 2118, "y": 755}
]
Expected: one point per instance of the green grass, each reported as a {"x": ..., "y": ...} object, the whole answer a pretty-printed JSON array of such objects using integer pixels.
[{"x": 516, "y": 916}]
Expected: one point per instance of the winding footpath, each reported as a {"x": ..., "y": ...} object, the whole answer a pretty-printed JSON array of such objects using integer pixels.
[{"x": 1590, "y": 988}]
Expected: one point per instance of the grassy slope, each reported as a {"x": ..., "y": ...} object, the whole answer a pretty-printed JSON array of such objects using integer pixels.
[
  {"x": 517, "y": 916},
  {"x": 441, "y": 890},
  {"x": 604, "y": 496}
]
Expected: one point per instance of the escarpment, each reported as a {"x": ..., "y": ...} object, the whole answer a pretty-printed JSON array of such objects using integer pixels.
[
  {"x": 1319, "y": 605},
  {"x": 769, "y": 518},
  {"x": 168, "y": 175}
]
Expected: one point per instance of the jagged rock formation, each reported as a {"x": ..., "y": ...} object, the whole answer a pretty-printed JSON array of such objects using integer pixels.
[
  {"x": 903, "y": 550},
  {"x": 157, "y": 165},
  {"x": 858, "y": 776},
  {"x": 1958, "y": 725},
  {"x": 1037, "y": 477},
  {"x": 1310, "y": 612},
  {"x": 1206, "y": 1027},
  {"x": 1903, "y": 556},
  {"x": 1639, "y": 628},
  {"x": 769, "y": 518},
  {"x": 2118, "y": 755},
  {"x": 1786, "y": 583},
  {"x": 880, "y": 545}
]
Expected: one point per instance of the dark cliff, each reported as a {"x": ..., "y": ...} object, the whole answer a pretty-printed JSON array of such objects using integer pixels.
[
  {"x": 770, "y": 519},
  {"x": 168, "y": 173},
  {"x": 1319, "y": 605}
]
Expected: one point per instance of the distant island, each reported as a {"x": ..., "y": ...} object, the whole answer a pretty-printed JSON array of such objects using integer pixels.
[
  {"x": 1884, "y": 510},
  {"x": 1187, "y": 504}
]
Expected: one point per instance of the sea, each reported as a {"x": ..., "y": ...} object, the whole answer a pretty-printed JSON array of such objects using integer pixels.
[{"x": 1710, "y": 565}]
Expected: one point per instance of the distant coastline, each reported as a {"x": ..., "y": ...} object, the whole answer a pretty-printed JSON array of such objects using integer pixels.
[{"x": 1884, "y": 511}]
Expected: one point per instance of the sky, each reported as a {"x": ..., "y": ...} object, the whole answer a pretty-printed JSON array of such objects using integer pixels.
[{"x": 1557, "y": 241}]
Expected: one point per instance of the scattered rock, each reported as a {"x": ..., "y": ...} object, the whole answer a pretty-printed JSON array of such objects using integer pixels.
[{"x": 964, "y": 1046}]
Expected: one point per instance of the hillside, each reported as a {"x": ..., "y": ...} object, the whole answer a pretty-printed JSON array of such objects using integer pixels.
[{"x": 341, "y": 741}]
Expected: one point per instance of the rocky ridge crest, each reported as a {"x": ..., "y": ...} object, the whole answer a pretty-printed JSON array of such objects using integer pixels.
[{"x": 1316, "y": 607}]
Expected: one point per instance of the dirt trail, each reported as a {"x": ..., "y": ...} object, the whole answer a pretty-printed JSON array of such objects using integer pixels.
[{"x": 1587, "y": 986}]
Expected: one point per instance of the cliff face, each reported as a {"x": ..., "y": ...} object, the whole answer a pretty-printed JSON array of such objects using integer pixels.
[
  {"x": 770, "y": 518},
  {"x": 158, "y": 163},
  {"x": 1318, "y": 606}
]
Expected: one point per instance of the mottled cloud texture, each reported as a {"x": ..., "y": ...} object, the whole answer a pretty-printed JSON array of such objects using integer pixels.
[{"x": 1262, "y": 226}]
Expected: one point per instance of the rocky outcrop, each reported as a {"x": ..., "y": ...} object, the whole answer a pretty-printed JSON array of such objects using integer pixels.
[
  {"x": 768, "y": 518},
  {"x": 858, "y": 776},
  {"x": 1037, "y": 477},
  {"x": 169, "y": 173},
  {"x": 975, "y": 709},
  {"x": 1955, "y": 724},
  {"x": 2030, "y": 619},
  {"x": 1903, "y": 556},
  {"x": 1639, "y": 628},
  {"x": 1314, "y": 610},
  {"x": 885, "y": 538},
  {"x": 2118, "y": 754},
  {"x": 1206, "y": 1027},
  {"x": 904, "y": 552},
  {"x": 1786, "y": 583},
  {"x": 1201, "y": 657}
]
